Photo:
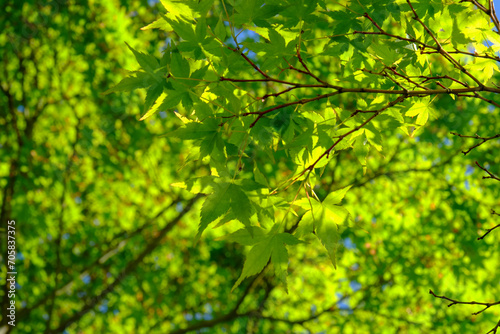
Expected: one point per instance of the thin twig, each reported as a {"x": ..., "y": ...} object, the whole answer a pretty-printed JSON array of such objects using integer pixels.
[
  {"x": 476, "y": 136},
  {"x": 491, "y": 176},
  {"x": 455, "y": 302},
  {"x": 488, "y": 231}
]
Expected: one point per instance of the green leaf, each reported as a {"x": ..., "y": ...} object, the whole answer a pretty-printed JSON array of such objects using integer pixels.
[
  {"x": 215, "y": 205},
  {"x": 203, "y": 6},
  {"x": 486, "y": 67},
  {"x": 152, "y": 95},
  {"x": 306, "y": 224},
  {"x": 199, "y": 73},
  {"x": 179, "y": 66},
  {"x": 208, "y": 143},
  {"x": 389, "y": 121},
  {"x": 201, "y": 29},
  {"x": 458, "y": 38},
  {"x": 328, "y": 233},
  {"x": 159, "y": 24},
  {"x": 178, "y": 9},
  {"x": 361, "y": 150},
  {"x": 324, "y": 219},
  {"x": 141, "y": 80},
  {"x": 420, "y": 109},
  {"x": 245, "y": 237},
  {"x": 148, "y": 62},
  {"x": 197, "y": 185},
  {"x": 373, "y": 136},
  {"x": 168, "y": 99},
  {"x": 388, "y": 55},
  {"x": 257, "y": 259},
  {"x": 279, "y": 259},
  {"x": 218, "y": 154},
  {"x": 423, "y": 117},
  {"x": 271, "y": 247},
  {"x": 240, "y": 204},
  {"x": 267, "y": 11},
  {"x": 195, "y": 130},
  {"x": 155, "y": 106},
  {"x": 336, "y": 196},
  {"x": 327, "y": 228},
  {"x": 226, "y": 197},
  {"x": 183, "y": 29},
  {"x": 341, "y": 21},
  {"x": 258, "y": 176},
  {"x": 276, "y": 39},
  {"x": 220, "y": 30}
]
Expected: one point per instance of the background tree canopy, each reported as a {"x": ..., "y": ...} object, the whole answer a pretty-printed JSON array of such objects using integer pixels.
[{"x": 298, "y": 166}]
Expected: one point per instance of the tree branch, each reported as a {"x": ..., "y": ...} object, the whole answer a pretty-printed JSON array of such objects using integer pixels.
[
  {"x": 491, "y": 176},
  {"x": 455, "y": 302},
  {"x": 440, "y": 48},
  {"x": 340, "y": 138},
  {"x": 494, "y": 329},
  {"x": 476, "y": 136},
  {"x": 487, "y": 232},
  {"x": 490, "y": 11}
]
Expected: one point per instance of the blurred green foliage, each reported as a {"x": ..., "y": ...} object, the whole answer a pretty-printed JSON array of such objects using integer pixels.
[{"x": 237, "y": 132}]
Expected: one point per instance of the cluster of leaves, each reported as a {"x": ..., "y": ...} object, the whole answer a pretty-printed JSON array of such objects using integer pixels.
[
  {"x": 267, "y": 94},
  {"x": 308, "y": 132}
]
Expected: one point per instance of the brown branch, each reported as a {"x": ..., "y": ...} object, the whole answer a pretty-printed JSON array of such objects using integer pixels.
[
  {"x": 488, "y": 231},
  {"x": 488, "y": 11},
  {"x": 440, "y": 48},
  {"x": 477, "y": 96},
  {"x": 374, "y": 23},
  {"x": 477, "y": 4},
  {"x": 483, "y": 140},
  {"x": 293, "y": 84},
  {"x": 486, "y": 100},
  {"x": 443, "y": 77},
  {"x": 267, "y": 79},
  {"x": 494, "y": 329},
  {"x": 278, "y": 93},
  {"x": 340, "y": 138},
  {"x": 475, "y": 54},
  {"x": 407, "y": 78},
  {"x": 493, "y": 15},
  {"x": 340, "y": 90},
  {"x": 411, "y": 40},
  {"x": 291, "y": 67},
  {"x": 491, "y": 176},
  {"x": 307, "y": 69},
  {"x": 455, "y": 302},
  {"x": 265, "y": 75},
  {"x": 281, "y": 106}
]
